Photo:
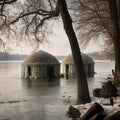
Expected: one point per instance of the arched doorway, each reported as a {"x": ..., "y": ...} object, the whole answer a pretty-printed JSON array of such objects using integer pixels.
[
  {"x": 29, "y": 71},
  {"x": 89, "y": 68},
  {"x": 67, "y": 71},
  {"x": 50, "y": 72}
]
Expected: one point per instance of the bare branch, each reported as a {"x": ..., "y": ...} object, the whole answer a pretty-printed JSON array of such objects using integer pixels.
[
  {"x": 91, "y": 18},
  {"x": 29, "y": 20},
  {"x": 50, "y": 4},
  {"x": 2, "y": 43},
  {"x": 7, "y": 1}
]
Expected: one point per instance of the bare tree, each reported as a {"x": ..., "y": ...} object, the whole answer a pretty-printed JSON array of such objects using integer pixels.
[
  {"x": 100, "y": 17},
  {"x": 115, "y": 18},
  {"x": 92, "y": 20},
  {"x": 3, "y": 3},
  {"x": 33, "y": 19}
]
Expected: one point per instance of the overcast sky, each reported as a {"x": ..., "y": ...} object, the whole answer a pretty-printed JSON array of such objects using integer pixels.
[{"x": 58, "y": 45}]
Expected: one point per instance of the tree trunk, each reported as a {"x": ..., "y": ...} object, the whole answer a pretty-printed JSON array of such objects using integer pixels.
[
  {"x": 82, "y": 86},
  {"x": 115, "y": 20}
]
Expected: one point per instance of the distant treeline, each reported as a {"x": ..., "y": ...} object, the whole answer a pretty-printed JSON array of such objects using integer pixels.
[
  {"x": 98, "y": 55},
  {"x": 7, "y": 56}
]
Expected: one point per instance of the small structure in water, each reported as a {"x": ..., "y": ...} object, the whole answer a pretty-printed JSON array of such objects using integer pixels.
[
  {"x": 68, "y": 67},
  {"x": 41, "y": 65}
]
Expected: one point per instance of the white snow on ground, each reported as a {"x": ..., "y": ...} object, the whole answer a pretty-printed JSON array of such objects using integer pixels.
[{"x": 108, "y": 109}]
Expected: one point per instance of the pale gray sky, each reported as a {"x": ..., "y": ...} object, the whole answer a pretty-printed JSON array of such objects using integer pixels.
[{"x": 58, "y": 45}]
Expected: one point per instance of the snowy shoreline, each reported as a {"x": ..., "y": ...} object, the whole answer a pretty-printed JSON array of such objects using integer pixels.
[{"x": 105, "y": 103}]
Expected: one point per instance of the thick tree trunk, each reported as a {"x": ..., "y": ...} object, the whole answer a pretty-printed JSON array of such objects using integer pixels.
[
  {"x": 115, "y": 20},
  {"x": 118, "y": 7},
  {"x": 82, "y": 86}
]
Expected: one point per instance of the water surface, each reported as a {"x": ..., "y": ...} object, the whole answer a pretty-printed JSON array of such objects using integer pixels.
[{"x": 41, "y": 99}]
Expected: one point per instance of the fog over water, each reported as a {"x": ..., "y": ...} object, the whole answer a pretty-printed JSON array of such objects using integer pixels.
[{"x": 41, "y": 99}]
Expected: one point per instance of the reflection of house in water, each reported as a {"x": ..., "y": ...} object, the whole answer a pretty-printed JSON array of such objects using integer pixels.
[
  {"x": 68, "y": 67},
  {"x": 41, "y": 65},
  {"x": 40, "y": 83}
]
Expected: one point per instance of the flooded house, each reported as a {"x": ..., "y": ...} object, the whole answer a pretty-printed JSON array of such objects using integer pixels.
[
  {"x": 68, "y": 67},
  {"x": 40, "y": 65}
]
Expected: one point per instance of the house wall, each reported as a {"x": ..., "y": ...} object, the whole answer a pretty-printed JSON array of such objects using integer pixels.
[
  {"x": 89, "y": 69},
  {"x": 39, "y": 70},
  {"x": 57, "y": 70}
]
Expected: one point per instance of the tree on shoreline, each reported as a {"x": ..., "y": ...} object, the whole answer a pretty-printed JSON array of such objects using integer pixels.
[
  {"x": 100, "y": 17},
  {"x": 33, "y": 19},
  {"x": 114, "y": 6},
  {"x": 92, "y": 21}
]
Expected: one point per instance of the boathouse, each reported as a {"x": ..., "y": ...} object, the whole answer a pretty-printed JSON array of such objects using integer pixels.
[
  {"x": 40, "y": 65},
  {"x": 68, "y": 67}
]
